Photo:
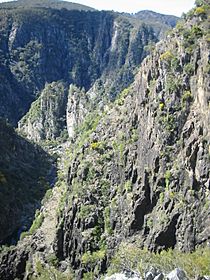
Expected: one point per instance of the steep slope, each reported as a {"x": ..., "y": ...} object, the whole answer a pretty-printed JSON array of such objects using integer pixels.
[
  {"x": 140, "y": 171},
  {"x": 116, "y": 50},
  {"x": 137, "y": 170},
  {"x": 44, "y": 44},
  {"x": 47, "y": 116},
  {"x": 23, "y": 181}
]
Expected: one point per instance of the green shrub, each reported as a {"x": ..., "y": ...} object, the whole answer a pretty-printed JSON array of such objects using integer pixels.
[
  {"x": 200, "y": 11},
  {"x": 128, "y": 186},
  {"x": 95, "y": 145},
  {"x": 64, "y": 135},
  {"x": 105, "y": 188},
  {"x": 196, "y": 31},
  {"x": 175, "y": 63},
  {"x": 39, "y": 218},
  {"x": 167, "y": 178},
  {"x": 96, "y": 233},
  {"x": 189, "y": 69},
  {"x": 190, "y": 49},
  {"x": 86, "y": 210},
  {"x": 129, "y": 256},
  {"x": 191, "y": 37},
  {"x": 52, "y": 260},
  {"x": 92, "y": 259},
  {"x": 5, "y": 248},
  {"x": 150, "y": 47},
  {"x": 134, "y": 136},
  {"x": 201, "y": 2},
  {"x": 161, "y": 106},
  {"x": 46, "y": 273},
  {"x": 47, "y": 196},
  {"x": 169, "y": 122},
  {"x": 88, "y": 125},
  {"x": 24, "y": 234},
  {"x": 173, "y": 83},
  {"x": 98, "y": 146},
  {"x": 187, "y": 97},
  {"x": 162, "y": 196},
  {"x": 88, "y": 276},
  {"x": 166, "y": 56},
  {"x": 121, "y": 97},
  {"x": 107, "y": 223},
  {"x": 180, "y": 26}
]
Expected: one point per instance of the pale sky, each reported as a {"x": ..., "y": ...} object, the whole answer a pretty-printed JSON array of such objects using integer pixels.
[{"x": 174, "y": 7}]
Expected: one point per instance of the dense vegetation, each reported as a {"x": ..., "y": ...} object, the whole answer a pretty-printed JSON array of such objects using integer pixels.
[{"x": 53, "y": 4}]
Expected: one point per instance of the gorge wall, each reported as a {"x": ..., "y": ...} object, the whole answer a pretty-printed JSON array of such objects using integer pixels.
[
  {"x": 141, "y": 172},
  {"x": 40, "y": 46},
  {"x": 133, "y": 153}
]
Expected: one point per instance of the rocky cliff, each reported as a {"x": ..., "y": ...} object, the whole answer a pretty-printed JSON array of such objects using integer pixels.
[
  {"x": 42, "y": 43},
  {"x": 116, "y": 49},
  {"x": 134, "y": 175},
  {"x": 140, "y": 172},
  {"x": 47, "y": 47},
  {"x": 46, "y": 119}
]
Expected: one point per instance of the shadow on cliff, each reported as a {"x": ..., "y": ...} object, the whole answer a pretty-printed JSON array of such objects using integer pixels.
[{"x": 26, "y": 173}]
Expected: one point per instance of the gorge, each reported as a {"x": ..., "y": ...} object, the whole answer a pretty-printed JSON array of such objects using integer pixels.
[{"x": 104, "y": 142}]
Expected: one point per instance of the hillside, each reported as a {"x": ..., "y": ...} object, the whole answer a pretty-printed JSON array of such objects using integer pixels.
[
  {"x": 128, "y": 121},
  {"x": 53, "y": 4},
  {"x": 85, "y": 48},
  {"x": 156, "y": 18},
  {"x": 158, "y": 21}
]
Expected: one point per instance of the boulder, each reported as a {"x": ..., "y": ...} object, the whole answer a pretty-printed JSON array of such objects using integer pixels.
[{"x": 177, "y": 274}]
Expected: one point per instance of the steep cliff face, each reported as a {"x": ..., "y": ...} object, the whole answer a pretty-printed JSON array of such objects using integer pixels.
[
  {"x": 76, "y": 110},
  {"x": 136, "y": 169},
  {"x": 46, "y": 119},
  {"x": 23, "y": 181},
  {"x": 116, "y": 49},
  {"x": 141, "y": 170},
  {"x": 41, "y": 45}
]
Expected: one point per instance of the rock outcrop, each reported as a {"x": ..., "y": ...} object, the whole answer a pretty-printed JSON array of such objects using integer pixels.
[
  {"x": 152, "y": 274},
  {"x": 46, "y": 120},
  {"x": 142, "y": 170},
  {"x": 76, "y": 110}
]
